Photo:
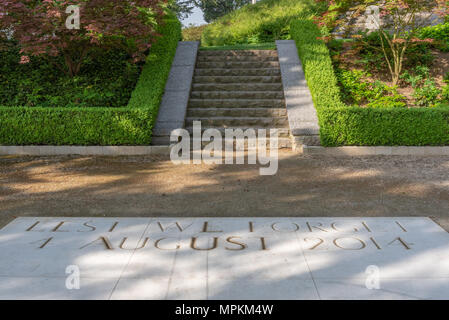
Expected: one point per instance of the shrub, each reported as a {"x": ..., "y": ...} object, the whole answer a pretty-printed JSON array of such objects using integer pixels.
[
  {"x": 265, "y": 21},
  {"x": 75, "y": 126},
  {"x": 130, "y": 125},
  {"x": 317, "y": 64},
  {"x": 105, "y": 81},
  {"x": 445, "y": 94},
  {"x": 41, "y": 28},
  {"x": 150, "y": 87},
  {"x": 426, "y": 92},
  {"x": 438, "y": 32},
  {"x": 396, "y": 34},
  {"x": 384, "y": 126}
]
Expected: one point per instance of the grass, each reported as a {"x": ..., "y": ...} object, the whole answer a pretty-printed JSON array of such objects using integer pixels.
[{"x": 246, "y": 46}]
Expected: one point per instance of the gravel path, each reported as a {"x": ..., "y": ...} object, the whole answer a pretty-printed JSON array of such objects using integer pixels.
[{"x": 148, "y": 186}]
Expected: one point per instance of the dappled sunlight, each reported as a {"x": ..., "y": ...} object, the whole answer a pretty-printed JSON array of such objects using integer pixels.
[{"x": 305, "y": 186}]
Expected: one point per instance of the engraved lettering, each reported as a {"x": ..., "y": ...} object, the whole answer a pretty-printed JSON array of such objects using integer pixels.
[
  {"x": 176, "y": 224},
  {"x": 144, "y": 243},
  {"x": 320, "y": 242},
  {"x": 156, "y": 244},
  {"x": 205, "y": 228},
  {"x": 104, "y": 240},
  {"x": 242, "y": 246},
  {"x": 194, "y": 247},
  {"x": 404, "y": 243},
  {"x": 318, "y": 226},
  {"x": 294, "y": 229},
  {"x": 362, "y": 244},
  {"x": 56, "y": 229}
]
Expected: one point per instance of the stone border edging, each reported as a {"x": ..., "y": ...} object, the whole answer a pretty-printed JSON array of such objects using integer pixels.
[
  {"x": 354, "y": 151},
  {"x": 302, "y": 116},
  {"x": 173, "y": 108},
  {"x": 349, "y": 151},
  {"x": 84, "y": 150}
]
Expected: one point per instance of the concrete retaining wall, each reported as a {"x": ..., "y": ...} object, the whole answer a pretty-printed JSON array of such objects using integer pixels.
[
  {"x": 172, "y": 111},
  {"x": 302, "y": 116}
]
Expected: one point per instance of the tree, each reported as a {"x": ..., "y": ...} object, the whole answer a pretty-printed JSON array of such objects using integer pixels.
[
  {"x": 214, "y": 9},
  {"x": 397, "y": 23},
  {"x": 182, "y": 8},
  {"x": 40, "y": 28}
]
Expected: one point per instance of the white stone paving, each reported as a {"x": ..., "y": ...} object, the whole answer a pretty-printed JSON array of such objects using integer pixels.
[{"x": 224, "y": 258}]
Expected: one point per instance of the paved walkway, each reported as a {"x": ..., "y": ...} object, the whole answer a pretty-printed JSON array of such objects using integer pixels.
[{"x": 305, "y": 186}]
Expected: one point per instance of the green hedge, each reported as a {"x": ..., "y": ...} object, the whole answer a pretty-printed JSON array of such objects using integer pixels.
[
  {"x": 151, "y": 84},
  {"x": 130, "y": 125},
  {"x": 344, "y": 125},
  {"x": 75, "y": 126}
]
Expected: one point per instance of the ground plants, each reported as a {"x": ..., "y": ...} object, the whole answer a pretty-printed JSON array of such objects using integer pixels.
[
  {"x": 397, "y": 23},
  {"x": 45, "y": 122}
]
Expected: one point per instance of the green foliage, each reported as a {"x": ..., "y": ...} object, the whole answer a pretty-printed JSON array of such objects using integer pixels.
[
  {"x": 75, "y": 126},
  {"x": 265, "y": 21},
  {"x": 445, "y": 94},
  {"x": 130, "y": 125},
  {"x": 426, "y": 92},
  {"x": 106, "y": 80},
  {"x": 213, "y": 9},
  {"x": 372, "y": 126},
  {"x": 446, "y": 77},
  {"x": 253, "y": 46},
  {"x": 394, "y": 101},
  {"x": 317, "y": 64},
  {"x": 357, "y": 90},
  {"x": 193, "y": 33},
  {"x": 384, "y": 126},
  {"x": 151, "y": 84},
  {"x": 438, "y": 32}
]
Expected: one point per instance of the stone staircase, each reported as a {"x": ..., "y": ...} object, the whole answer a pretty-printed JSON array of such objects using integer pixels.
[{"x": 238, "y": 89}]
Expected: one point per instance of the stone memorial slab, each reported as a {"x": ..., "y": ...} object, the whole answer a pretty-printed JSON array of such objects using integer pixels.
[{"x": 224, "y": 258}]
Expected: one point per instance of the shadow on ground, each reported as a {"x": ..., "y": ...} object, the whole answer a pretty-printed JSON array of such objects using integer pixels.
[{"x": 304, "y": 186}]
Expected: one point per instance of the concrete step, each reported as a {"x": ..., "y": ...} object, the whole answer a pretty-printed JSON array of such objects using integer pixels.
[
  {"x": 237, "y": 87},
  {"x": 237, "y": 58},
  {"x": 237, "y": 103},
  {"x": 237, "y": 79},
  {"x": 237, "y": 95},
  {"x": 282, "y": 131},
  {"x": 237, "y": 72},
  {"x": 256, "y": 53},
  {"x": 260, "y": 122},
  {"x": 238, "y": 65},
  {"x": 281, "y": 144},
  {"x": 236, "y": 112}
]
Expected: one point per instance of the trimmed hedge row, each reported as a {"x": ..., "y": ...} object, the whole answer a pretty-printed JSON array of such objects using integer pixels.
[
  {"x": 75, "y": 126},
  {"x": 344, "y": 125},
  {"x": 151, "y": 84},
  {"x": 130, "y": 125}
]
